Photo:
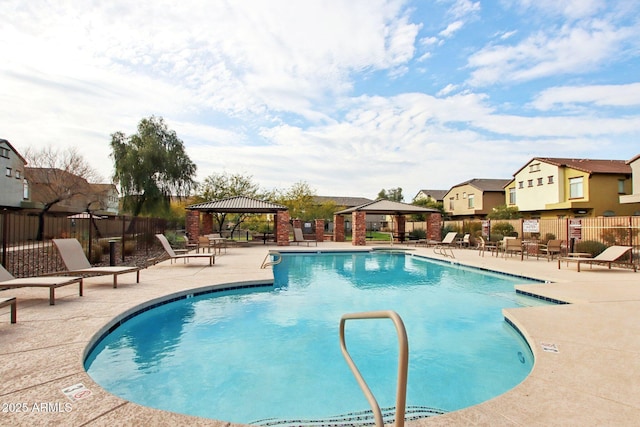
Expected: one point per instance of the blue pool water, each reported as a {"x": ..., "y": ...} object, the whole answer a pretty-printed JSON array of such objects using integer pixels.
[{"x": 273, "y": 353}]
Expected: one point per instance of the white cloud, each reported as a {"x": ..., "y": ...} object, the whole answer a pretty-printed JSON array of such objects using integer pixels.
[
  {"x": 451, "y": 29},
  {"x": 569, "y": 50},
  {"x": 599, "y": 95}
]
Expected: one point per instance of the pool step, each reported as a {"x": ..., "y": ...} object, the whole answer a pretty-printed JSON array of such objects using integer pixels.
[{"x": 355, "y": 419}]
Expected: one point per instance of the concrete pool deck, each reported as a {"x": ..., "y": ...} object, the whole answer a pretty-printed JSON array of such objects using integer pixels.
[{"x": 593, "y": 379}]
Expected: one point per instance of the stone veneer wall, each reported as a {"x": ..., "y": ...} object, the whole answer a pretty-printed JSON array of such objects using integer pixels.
[
  {"x": 400, "y": 225},
  {"x": 359, "y": 237},
  {"x": 207, "y": 223}
]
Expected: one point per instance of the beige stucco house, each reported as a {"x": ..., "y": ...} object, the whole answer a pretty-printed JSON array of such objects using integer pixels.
[{"x": 474, "y": 199}]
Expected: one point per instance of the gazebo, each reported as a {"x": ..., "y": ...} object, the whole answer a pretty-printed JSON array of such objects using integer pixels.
[
  {"x": 237, "y": 204},
  {"x": 384, "y": 207}
]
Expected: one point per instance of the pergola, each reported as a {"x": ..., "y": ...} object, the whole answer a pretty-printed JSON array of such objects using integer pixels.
[
  {"x": 237, "y": 204},
  {"x": 384, "y": 207}
]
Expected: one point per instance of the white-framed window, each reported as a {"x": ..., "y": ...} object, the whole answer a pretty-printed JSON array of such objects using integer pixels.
[
  {"x": 530, "y": 183},
  {"x": 471, "y": 201},
  {"x": 576, "y": 189},
  {"x": 4, "y": 152},
  {"x": 521, "y": 184},
  {"x": 25, "y": 189},
  {"x": 512, "y": 196},
  {"x": 451, "y": 204},
  {"x": 550, "y": 179},
  {"x": 18, "y": 174},
  {"x": 621, "y": 186},
  {"x": 539, "y": 181},
  {"x": 535, "y": 167},
  {"x": 8, "y": 171}
]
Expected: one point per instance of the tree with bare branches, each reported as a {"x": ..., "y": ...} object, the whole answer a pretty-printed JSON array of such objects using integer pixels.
[{"x": 57, "y": 175}]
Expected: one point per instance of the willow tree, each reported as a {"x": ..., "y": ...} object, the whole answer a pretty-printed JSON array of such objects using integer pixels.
[{"x": 151, "y": 166}]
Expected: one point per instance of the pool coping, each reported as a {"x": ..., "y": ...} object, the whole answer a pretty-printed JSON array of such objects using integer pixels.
[{"x": 596, "y": 336}]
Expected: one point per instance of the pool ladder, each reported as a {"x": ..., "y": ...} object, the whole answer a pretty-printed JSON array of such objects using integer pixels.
[
  {"x": 403, "y": 363},
  {"x": 267, "y": 263}
]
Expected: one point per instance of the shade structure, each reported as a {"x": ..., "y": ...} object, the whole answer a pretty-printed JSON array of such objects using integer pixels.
[
  {"x": 238, "y": 204},
  {"x": 388, "y": 207}
]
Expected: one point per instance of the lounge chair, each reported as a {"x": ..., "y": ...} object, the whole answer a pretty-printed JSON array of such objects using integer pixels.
[
  {"x": 298, "y": 237},
  {"x": 465, "y": 241},
  {"x": 609, "y": 256},
  {"x": 51, "y": 282},
  {"x": 76, "y": 262},
  {"x": 173, "y": 256},
  {"x": 444, "y": 247},
  {"x": 553, "y": 247},
  {"x": 14, "y": 308}
]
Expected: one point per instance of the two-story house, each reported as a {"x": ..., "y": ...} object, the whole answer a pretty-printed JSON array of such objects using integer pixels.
[
  {"x": 474, "y": 199},
  {"x": 15, "y": 189},
  {"x": 548, "y": 187},
  {"x": 434, "y": 195},
  {"x": 634, "y": 197}
]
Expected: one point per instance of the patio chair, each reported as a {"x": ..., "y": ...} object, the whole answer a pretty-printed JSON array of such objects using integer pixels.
[
  {"x": 11, "y": 301},
  {"x": 512, "y": 246},
  {"x": 52, "y": 282},
  {"x": 609, "y": 256},
  {"x": 173, "y": 256},
  {"x": 483, "y": 245},
  {"x": 444, "y": 248},
  {"x": 465, "y": 242},
  {"x": 553, "y": 247},
  {"x": 298, "y": 237},
  {"x": 76, "y": 262}
]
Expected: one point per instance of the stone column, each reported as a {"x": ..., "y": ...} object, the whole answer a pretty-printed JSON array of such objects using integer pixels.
[
  {"x": 434, "y": 227},
  {"x": 207, "y": 223},
  {"x": 192, "y": 225},
  {"x": 400, "y": 226},
  {"x": 320, "y": 230},
  {"x": 338, "y": 228},
  {"x": 297, "y": 223},
  {"x": 359, "y": 228},
  {"x": 281, "y": 220}
]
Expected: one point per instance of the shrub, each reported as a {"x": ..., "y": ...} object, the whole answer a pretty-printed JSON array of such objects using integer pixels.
[
  {"x": 501, "y": 229},
  {"x": 129, "y": 247},
  {"x": 590, "y": 246},
  {"x": 418, "y": 234},
  {"x": 549, "y": 236}
]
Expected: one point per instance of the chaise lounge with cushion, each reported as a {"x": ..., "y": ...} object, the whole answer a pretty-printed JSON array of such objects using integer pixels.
[{"x": 76, "y": 262}]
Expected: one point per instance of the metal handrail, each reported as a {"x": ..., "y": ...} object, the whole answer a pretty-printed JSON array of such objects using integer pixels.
[
  {"x": 276, "y": 261},
  {"x": 403, "y": 363}
]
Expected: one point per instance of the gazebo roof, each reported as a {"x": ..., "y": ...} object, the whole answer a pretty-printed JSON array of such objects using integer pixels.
[
  {"x": 388, "y": 207},
  {"x": 238, "y": 204}
]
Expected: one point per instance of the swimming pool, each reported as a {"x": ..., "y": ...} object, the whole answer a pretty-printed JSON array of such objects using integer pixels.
[{"x": 272, "y": 353}]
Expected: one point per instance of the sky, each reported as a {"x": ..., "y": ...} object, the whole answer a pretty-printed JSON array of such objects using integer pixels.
[{"x": 348, "y": 96}]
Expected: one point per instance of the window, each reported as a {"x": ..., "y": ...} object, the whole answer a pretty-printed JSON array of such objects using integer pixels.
[
  {"x": 25, "y": 189},
  {"x": 621, "y": 186},
  {"x": 451, "y": 204},
  {"x": 17, "y": 174},
  {"x": 575, "y": 188},
  {"x": 8, "y": 172},
  {"x": 470, "y": 201},
  {"x": 550, "y": 179},
  {"x": 464, "y": 194},
  {"x": 535, "y": 167},
  {"x": 521, "y": 184},
  {"x": 539, "y": 181},
  {"x": 530, "y": 183},
  {"x": 512, "y": 196},
  {"x": 4, "y": 152}
]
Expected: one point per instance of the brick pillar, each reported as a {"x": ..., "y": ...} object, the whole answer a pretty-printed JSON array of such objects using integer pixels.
[
  {"x": 193, "y": 225},
  {"x": 434, "y": 227},
  {"x": 359, "y": 228},
  {"x": 297, "y": 223},
  {"x": 207, "y": 223},
  {"x": 281, "y": 220},
  {"x": 338, "y": 228},
  {"x": 400, "y": 226},
  {"x": 320, "y": 230}
]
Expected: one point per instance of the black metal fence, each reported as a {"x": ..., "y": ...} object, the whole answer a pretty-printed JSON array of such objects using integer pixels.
[{"x": 26, "y": 247}]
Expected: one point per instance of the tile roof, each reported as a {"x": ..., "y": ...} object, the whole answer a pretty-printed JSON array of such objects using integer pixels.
[
  {"x": 485, "y": 184},
  {"x": 589, "y": 165},
  {"x": 388, "y": 207},
  {"x": 342, "y": 201}
]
